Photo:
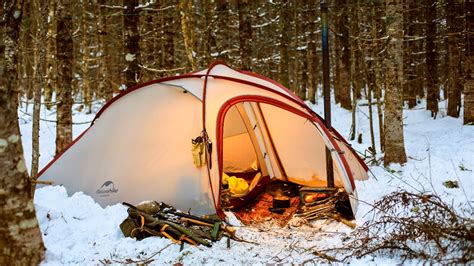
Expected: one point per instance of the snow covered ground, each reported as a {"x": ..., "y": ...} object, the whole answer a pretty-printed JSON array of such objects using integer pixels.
[{"x": 76, "y": 230}]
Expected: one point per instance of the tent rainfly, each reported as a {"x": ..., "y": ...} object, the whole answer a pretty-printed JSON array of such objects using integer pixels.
[{"x": 139, "y": 144}]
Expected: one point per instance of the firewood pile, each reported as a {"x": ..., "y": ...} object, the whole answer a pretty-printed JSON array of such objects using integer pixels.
[{"x": 336, "y": 207}]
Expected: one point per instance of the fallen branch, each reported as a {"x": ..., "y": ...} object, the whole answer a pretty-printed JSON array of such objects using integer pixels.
[{"x": 143, "y": 261}]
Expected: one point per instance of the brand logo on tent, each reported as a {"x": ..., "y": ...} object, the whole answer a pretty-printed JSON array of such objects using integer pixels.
[{"x": 107, "y": 188}]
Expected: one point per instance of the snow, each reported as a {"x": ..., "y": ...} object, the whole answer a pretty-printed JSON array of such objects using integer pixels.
[
  {"x": 76, "y": 230},
  {"x": 130, "y": 57}
]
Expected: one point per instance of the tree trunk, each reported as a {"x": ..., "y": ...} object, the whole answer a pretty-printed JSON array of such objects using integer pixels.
[
  {"x": 222, "y": 29},
  {"x": 469, "y": 91},
  {"x": 432, "y": 90},
  {"x": 409, "y": 91},
  {"x": 245, "y": 34},
  {"x": 312, "y": 57},
  {"x": 357, "y": 78},
  {"x": 51, "y": 60},
  {"x": 85, "y": 58},
  {"x": 454, "y": 59},
  {"x": 64, "y": 46},
  {"x": 342, "y": 30},
  {"x": 148, "y": 49},
  {"x": 370, "y": 72},
  {"x": 394, "y": 143},
  {"x": 302, "y": 54},
  {"x": 105, "y": 59},
  {"x": 207, "y": 37},
  {"x": 189, "y": 35},
  {"x": 20, "y": 239},
  {"x": 169, "y": 24},
  {"x": 284, "y": 24},
  {"x": 131, "y": 33},
  {"x": 377, "y": 34},
  {"x": 469, "y": 67},
  {"x": 371, "y": 85},
  {"x": 337, "y": 63},
  {"x": 41, "y": 13}
]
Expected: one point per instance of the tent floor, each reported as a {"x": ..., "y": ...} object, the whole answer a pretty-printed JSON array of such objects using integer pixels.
[{"x": 257, "y": 210}]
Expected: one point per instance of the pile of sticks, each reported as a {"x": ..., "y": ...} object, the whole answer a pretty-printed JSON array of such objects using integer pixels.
[
  {"x": 319, "y": 210},
  {"x": 324, "y": 209}
]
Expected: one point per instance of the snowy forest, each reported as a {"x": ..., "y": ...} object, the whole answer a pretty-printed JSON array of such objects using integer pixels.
[{"x": 401, "y": 79}]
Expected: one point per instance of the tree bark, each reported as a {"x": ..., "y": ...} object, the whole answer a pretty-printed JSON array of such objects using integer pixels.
[
  {"x": 106, "y": 88},
  {"x": 469, "y": 67},
  {"x": 41, "y": 13},
  {"x": 189, "y": 35},
  {"x": 20, "y": 239},
  {"x": 222, "y": 29},
  {"x": 312, "y": 56},
  {"x": 86, "y": 58},
  {"x": 377, "y": 33},
  {"x": 131, "y": 20},
  {"x": 207, "y": 37},
  {"x": 284, "y": 24},
  {"x": 337, "y": 62},
  {"x": 409, "y": 91},
  {"x": 454, "y": 59},
  {"x": 51, "y": 60},
  {"x": 342, "y": 31},
  {"x": 169, "y": 23},
  {"x": 431, "y": 62},
  {"x": 245, "y": 34},
  {"x": 64, "y": 51},
  {"x": 394, "y": 142}
]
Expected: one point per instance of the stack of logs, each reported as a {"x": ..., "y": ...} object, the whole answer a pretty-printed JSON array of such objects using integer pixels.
[{"x": 324, "y": 209}]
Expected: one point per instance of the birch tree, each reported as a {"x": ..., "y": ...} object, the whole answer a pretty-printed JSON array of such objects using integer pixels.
[{"x": 20, "y": 237}]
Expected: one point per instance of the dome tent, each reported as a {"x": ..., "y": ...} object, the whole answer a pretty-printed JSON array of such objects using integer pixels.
[{"x": 139, "y": 144}]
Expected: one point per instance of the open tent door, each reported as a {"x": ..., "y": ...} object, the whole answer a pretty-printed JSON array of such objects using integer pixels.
[
  {"x": 284, "y": 145},
  {"x": 244, "y": 156},
  {"x": 300, "y": 144}
]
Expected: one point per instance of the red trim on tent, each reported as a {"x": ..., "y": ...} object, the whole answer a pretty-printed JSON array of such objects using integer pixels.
[
  {"x": 274, "y": 83},
  {"x": 60, "y": 154},
  {"x": 262, "y": 99},
  {"x": 204, "y": 91},
  {"x": 139, "y": 86},
  {"x": 341, "y": 138}
]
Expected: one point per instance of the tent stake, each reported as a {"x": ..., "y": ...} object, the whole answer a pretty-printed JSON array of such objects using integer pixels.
[{"x": 326, "y": 90}]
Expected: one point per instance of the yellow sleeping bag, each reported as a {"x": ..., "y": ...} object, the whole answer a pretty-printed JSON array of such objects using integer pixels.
[{"x": 238, "y": 186}]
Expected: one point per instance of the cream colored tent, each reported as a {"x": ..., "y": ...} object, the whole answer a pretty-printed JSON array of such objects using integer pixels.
[{"x": 139, "y": 145}]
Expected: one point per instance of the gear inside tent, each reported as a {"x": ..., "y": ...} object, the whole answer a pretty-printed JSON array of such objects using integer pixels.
[{"x": 207, "y": 141}]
